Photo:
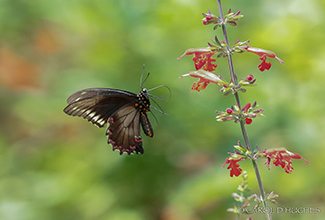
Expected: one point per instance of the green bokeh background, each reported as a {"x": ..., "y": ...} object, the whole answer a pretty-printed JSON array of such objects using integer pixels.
[{"x": 53, "y": 166}]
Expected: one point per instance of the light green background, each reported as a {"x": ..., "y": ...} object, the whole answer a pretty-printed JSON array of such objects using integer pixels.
[{"x": 53, "y": 166}]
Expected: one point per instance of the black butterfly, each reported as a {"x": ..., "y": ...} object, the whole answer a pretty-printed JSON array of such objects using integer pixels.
[{"x": 124, "y": 112}]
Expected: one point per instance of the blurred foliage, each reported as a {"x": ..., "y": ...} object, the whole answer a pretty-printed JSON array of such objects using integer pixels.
[{"x": 53, "y": 166}]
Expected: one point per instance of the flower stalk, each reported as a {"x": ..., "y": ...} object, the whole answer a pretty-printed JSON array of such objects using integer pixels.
[{"x": 242, "y": 124}]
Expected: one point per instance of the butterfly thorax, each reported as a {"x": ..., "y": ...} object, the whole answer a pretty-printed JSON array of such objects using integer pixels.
[{"x": 143, "y": 102}]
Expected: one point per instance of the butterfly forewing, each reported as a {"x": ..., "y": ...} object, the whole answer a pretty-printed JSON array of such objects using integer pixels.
[
  {"x": 97, "y": 105},
  {"x": 88, "y": 93}
]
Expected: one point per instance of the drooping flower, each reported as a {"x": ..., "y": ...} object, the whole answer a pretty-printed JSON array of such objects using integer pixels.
[
  {"x": 263, "y": 54},
  {"x": 205, "y": 78},
  {"x": 280, "y": 157},
  {"x": 202, "y": 58}
]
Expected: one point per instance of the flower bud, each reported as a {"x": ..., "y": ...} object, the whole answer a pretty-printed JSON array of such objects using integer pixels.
[{"x": 210, "y": 18}]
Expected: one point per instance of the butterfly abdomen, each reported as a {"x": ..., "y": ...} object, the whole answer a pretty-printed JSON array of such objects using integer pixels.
[{"x": 146, "y": 126}]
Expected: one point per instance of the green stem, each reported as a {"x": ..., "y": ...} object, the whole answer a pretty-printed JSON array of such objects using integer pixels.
[{"x": 242, "y": 123}]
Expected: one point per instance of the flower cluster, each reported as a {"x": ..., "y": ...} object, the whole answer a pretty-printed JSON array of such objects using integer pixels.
[
  {"x": 233, "y": 88},
  {"x": 248, "y": 112},
  {"x": 230, "y": 18},
  {"x": 210, "y": 18},
  {"x": 278, "y": 156},
  {"x": 202, "y": 57}
]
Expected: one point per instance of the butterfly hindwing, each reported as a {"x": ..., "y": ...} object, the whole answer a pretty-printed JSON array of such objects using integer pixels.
[{"x": 124, "y": 130}]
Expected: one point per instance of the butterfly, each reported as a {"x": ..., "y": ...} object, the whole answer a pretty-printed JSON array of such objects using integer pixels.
[{"x": 123, "y": 111}]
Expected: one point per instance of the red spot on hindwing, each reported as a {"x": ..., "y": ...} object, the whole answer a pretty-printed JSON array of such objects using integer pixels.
[
  {"x": 111, "y": 141},
  {"x": 138, "y": 139}
]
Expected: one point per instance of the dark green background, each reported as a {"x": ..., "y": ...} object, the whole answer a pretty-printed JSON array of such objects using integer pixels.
[{"x": 53, "y": 166}]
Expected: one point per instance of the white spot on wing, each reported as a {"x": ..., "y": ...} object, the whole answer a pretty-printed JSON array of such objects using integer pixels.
[{"x": 101, "y": 122}]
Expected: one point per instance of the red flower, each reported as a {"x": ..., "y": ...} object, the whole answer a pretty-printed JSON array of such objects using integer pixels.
[
  {"x": 233, "y": 166},
  {"x": 202, "y": 58},
  {"x": 205, "y": 78},
  {"x": 248, "y": 120},
  {"x": 281, "y": 157},
  {"x": 263, "y": 55}
]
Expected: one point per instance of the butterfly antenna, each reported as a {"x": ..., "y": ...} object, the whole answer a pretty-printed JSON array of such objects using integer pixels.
[
  {"x": 143, "y": 81},
  {"x": 154, "y": 117},
  {"x": 156, "y": 97},
  {"x": 159, "y": 109},
  {"x": 170, "y": 93}
]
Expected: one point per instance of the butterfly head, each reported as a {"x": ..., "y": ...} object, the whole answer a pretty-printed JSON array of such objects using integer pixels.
[{"x": 144, "y": 91}]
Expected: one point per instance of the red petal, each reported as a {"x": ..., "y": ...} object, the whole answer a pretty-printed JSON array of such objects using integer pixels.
[
  {"x": 246, "y": 107},
  {"x": 235, "y": 170},
  {"x": 264, "y": 65},
  {"x": 248, "y": 121},
  {"x": 260, "y": 52},
  {"x": 233, "y": 166},
  {"x": 202, "y": 58}
]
